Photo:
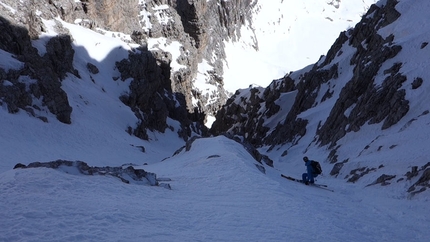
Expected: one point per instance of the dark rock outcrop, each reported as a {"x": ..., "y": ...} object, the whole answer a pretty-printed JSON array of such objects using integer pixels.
[
  {"x": 356, "y": 174},
  {"x": 307, "y": 90},
  {"x": 137, "y": 175},
  {"x": 151, "y": 93},
  {"x": 423, "y": 182},
  {"x": 241, "y": 114},
  {"x": 383, "y": 180},
  {"x": 39, "y": 77}
]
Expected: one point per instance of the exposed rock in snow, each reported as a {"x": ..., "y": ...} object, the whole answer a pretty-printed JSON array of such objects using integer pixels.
[
  {"x": 79, "y": 167},
  {"x": 40, "y": 77}
]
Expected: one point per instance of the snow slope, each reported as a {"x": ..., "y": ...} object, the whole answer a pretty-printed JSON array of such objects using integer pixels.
[
  {"x": 217, "y": 195},
  {"x": 291, "y": 35}
]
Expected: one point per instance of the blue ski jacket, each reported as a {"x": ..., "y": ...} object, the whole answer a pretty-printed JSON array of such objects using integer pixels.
[
  {"x": 310, "y": 169},
  {"x": 310, "y": 175}
]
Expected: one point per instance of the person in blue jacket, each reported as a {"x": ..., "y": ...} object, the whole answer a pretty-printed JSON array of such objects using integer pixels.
[{"x": 309, "y": 176}]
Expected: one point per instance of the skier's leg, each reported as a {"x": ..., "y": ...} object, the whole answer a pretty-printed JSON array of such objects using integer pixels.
[
  {"x": 311, "y": 178},
  {"x": 305, "y": 178}
]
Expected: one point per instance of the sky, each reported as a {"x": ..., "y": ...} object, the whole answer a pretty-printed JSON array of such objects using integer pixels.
[{"x": 217, "y": 193}]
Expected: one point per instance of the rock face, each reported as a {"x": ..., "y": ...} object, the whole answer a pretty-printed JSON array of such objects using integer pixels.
[
  {"x": 242, "y": 114},
  {"x": 201, "y": 27},
  {"x": 110, "y": 14},
  {"x": 158, "y": 90}
]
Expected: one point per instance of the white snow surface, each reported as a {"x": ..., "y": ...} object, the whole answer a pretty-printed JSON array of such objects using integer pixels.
[
  {"x": 9, "y": 62},
  {"x": 223, "y": 198},
  {"x": 217, "y": 194},
  {"x": 291, "y": 34}
]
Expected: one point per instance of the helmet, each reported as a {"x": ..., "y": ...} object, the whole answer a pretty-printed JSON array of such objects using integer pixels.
[{"x": 305, "y": 158}]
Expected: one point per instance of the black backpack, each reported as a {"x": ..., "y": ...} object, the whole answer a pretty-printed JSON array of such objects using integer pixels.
[{"x": 317, "y": 167}]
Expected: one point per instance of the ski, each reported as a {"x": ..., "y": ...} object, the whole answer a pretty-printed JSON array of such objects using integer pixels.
[
  {"x": 291, "y": 178},
  {"x": 322, "y": 186},
  {"x": 299, "y": 180},
  {"x": 319, "y": 185}
]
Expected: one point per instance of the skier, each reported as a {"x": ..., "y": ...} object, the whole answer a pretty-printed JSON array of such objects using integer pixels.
[{"x": 309, "y": 176}]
